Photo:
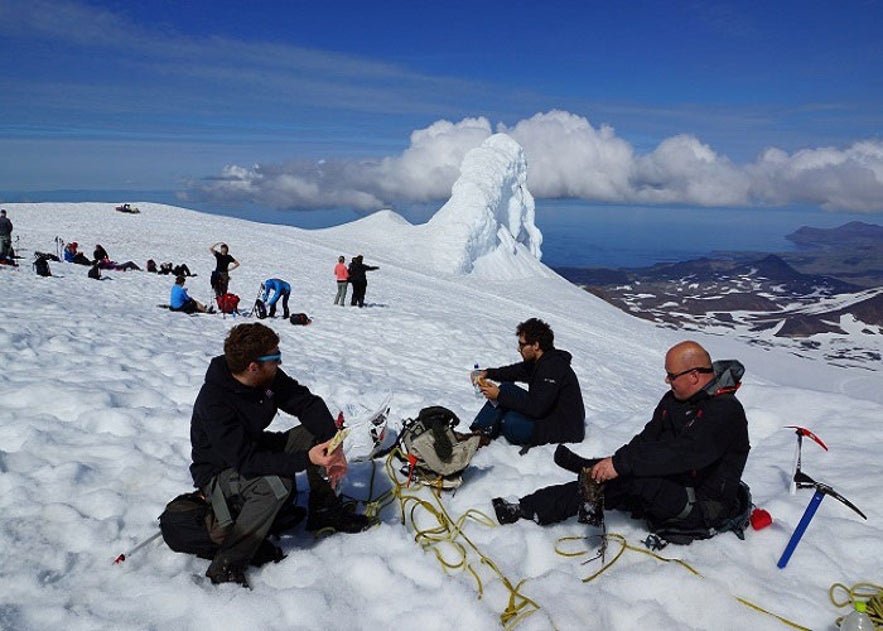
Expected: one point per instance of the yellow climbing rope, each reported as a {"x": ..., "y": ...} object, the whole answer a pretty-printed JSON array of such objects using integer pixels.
[
  {"x": 447, "y": 539},
  {"x": 624, "y": 545},
  {"x": 869, "y": 592}
]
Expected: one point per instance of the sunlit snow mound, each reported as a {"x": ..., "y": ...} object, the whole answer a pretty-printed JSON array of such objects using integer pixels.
[
  {"x": 486, "y": 229},
  {"x": 487, "y": 226}
]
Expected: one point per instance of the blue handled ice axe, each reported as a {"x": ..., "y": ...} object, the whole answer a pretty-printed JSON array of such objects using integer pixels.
[{"x": 822, "y": 490}]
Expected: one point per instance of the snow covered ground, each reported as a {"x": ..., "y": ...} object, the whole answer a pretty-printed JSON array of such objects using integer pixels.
[{"x": 95, "y": 400}]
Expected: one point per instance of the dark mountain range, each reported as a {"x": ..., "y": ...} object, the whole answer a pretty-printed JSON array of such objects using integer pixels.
[
  {"x": 834, "y": 289},
  {"x": 852, "y": 234}
]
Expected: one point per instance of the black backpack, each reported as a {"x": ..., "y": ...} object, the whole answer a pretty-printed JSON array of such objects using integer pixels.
[
  {"x": 188, "y": 524},
  {"x": 41, "y": 266},
  {"x": 94, "y": 272},
  {"x": 260, "y": 309},
  {"x": 672, "y": 532}
]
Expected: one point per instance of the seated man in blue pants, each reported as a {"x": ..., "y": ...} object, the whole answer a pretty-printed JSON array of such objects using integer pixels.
[
  {"x": 280, "y": 289},
  {"x": 551, "y": 409}
]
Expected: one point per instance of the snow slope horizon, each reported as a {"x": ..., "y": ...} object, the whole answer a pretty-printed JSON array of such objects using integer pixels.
[{"x": 95, "y": 439}]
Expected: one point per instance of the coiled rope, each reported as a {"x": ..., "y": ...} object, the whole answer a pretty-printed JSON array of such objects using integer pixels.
[
  {"x": 449, "y": 542},
  {"x": 869, "y": 592}
]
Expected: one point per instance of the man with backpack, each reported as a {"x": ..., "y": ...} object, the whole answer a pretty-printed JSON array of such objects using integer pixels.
[
  {"x": 551, "y": 410},
  {"x": 248, "y": 473},
  {"x": 682, "y": 472}
]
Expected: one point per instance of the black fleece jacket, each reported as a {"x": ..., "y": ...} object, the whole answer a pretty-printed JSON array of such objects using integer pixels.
[
  {"x": 554, "y": 397},
  {"x": 227, "y": 429},
  {"x": 701, "y": 442}
]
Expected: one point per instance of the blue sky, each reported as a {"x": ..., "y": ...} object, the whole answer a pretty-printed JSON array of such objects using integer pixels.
[{"x": 352, "y": 104}]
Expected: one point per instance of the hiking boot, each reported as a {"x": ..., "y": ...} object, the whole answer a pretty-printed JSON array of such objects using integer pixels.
[
  {"x": 570, "y": 461},
  {"x": 338, "y": 519},
  {"x": 507, "y": 512},
  {"x": 272, "y": 313},
  {"x": 591, "y": 509},
  {"x": 224, "y": 573},
  {"x": 285, "y": 313}
]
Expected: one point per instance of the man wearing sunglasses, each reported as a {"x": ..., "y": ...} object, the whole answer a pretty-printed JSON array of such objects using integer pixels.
[
  {"x": 683, "y": 468},
  {"x": 550, "y": 410},
  {"x": 248, "y": 473}
]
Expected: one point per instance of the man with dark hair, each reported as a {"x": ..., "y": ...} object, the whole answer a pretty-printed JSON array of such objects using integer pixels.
[
  {"x": 551, "y": 409},
  {"x": 247, "y": 472},
  {"x": 683, "y": 470}
]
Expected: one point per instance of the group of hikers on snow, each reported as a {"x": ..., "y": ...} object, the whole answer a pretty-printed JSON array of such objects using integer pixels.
[{"x": 682, "y": 472}]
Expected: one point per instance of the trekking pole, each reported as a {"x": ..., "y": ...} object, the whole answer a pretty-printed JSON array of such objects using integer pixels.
[
  {"x": 821, "y": 491},
  {"x": 801, "y": 432},
  {"x": 122, "y": 556}
]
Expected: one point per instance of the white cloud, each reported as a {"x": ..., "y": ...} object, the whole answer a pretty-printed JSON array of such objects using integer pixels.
[{"x": 568, "y": 157}]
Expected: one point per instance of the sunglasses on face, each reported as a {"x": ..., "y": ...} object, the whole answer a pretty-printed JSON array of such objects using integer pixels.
[
  {"x": 671, "y": 376},
  {"x": 270, "y": 358}
]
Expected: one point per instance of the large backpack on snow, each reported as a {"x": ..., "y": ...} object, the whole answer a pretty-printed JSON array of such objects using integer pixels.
[
  {"x": 188, "y": 524},
  {"x": 41, "y": 266},
  {"x": 671, "y": 531},
  {"x": 435, "y": 453},
  {"x": 228, "y": 303}
]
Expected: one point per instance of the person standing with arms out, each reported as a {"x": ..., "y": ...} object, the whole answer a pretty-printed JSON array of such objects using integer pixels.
[
  {"x": 5, "y": 236},
  {"x": 223, "y": 261},
  {"x": 342, "y": 275},
  {"x": 248, "y": 473},
  {"x": 358, "y": 277}
]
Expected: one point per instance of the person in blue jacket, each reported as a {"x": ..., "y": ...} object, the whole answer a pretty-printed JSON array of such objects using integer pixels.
[
  {"x": 179, "y": 300},
  {"x": 280, "y": 289}
]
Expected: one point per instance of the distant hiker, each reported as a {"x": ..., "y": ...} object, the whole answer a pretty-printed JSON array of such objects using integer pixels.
[
  {"x": 682, "y": 471},
  {"x": 179, "y": 300},
  {"x": 551, "y": 409},
  {"x": 359, "y": 279},
  {"x": 99, "y": 253},
  {"x": 280, "y": 289},
  {"x": 5, "y": 236},
  {"x": 342, "y": 275},
  {"x": 249, "y": 473},
  {"x": 177, "y": 270},
  {"x": 73, "y": 255},
  {"x": 102, "y": 259},
  {"x": 223, "y": 261}
]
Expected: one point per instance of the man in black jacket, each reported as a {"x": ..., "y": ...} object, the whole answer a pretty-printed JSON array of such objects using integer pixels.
[
  {"x": 551, "y": 409},
  {"x": 684, "y": 467},
  {"x": 247, "y": 472}
]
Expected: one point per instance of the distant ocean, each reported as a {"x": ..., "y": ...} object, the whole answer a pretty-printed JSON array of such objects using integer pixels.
[{"x": 575, "y": 233}]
